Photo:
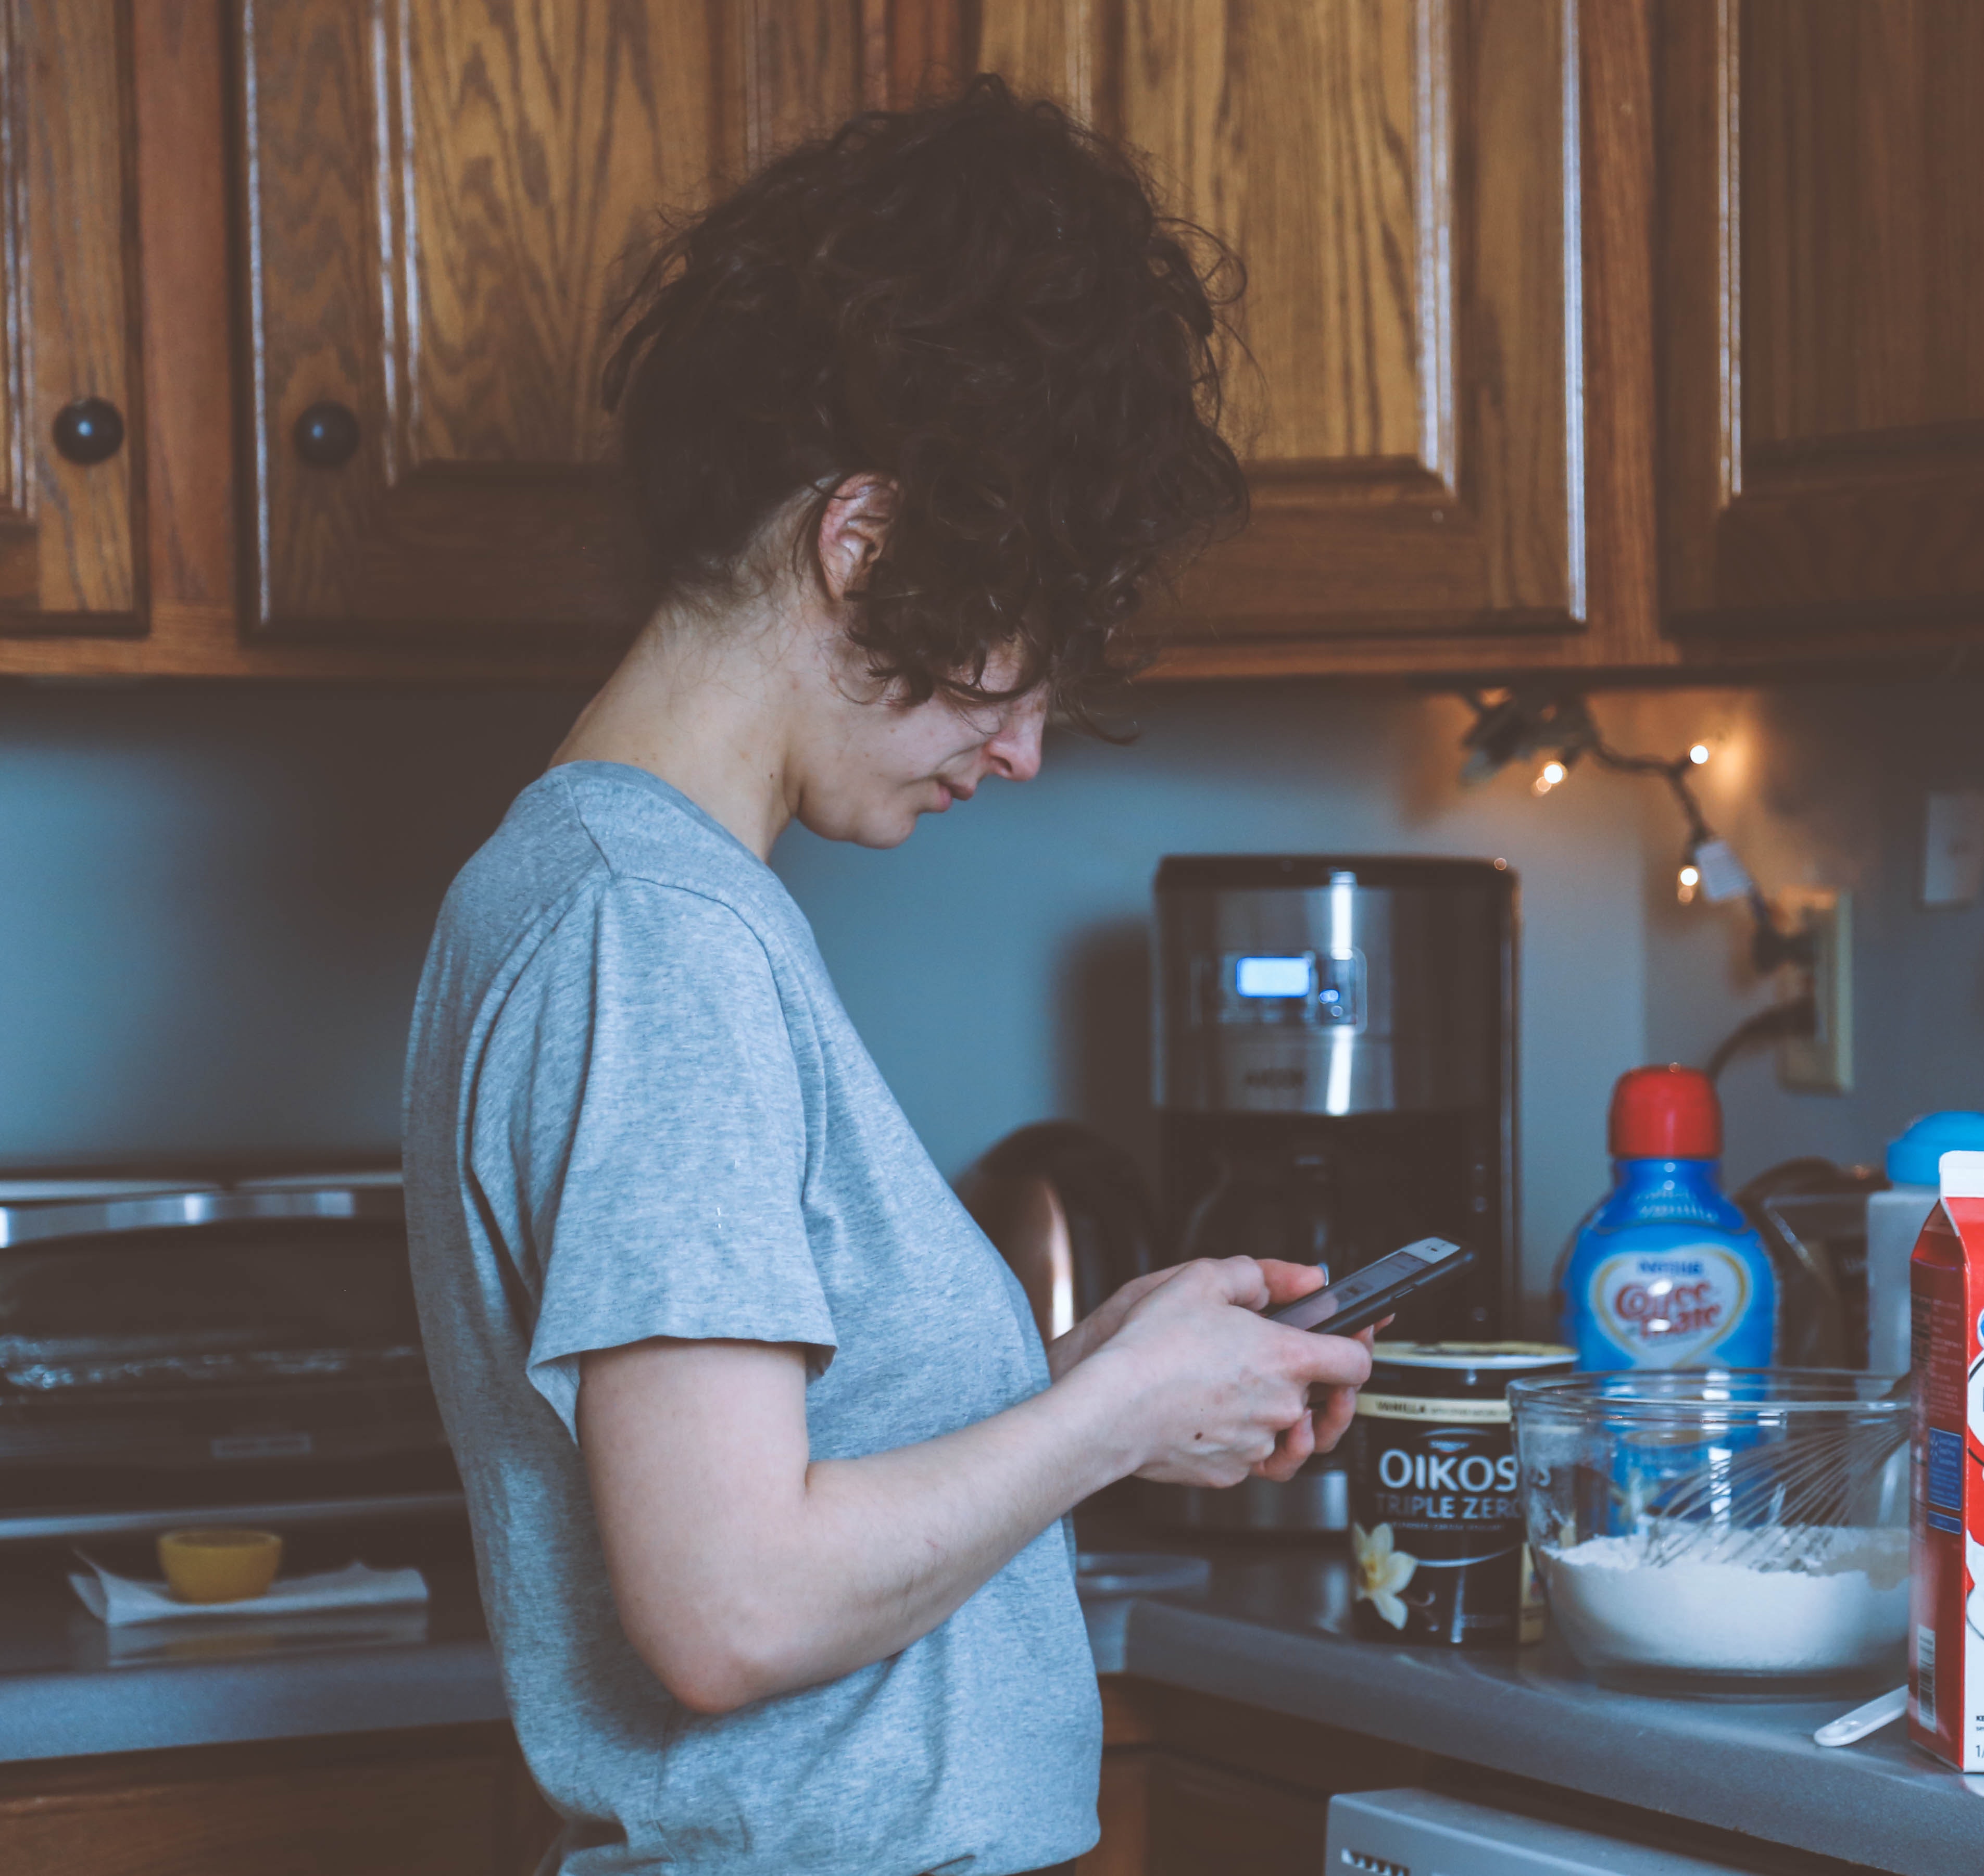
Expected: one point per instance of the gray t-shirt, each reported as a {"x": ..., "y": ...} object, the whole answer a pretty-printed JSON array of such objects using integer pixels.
[{"x": 634, "y": 1107}]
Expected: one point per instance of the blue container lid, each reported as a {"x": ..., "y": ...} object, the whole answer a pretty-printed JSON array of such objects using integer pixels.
[{"x": 1912, "y": 1160}]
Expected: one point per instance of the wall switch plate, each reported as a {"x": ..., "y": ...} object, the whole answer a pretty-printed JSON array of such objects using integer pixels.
[
  {"x": 1953, "y": 848},
  {"x": 1821, "y": 1062}
]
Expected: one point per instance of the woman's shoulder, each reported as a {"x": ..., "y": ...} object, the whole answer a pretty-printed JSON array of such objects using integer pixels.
[{"x": 638, "y": 831}]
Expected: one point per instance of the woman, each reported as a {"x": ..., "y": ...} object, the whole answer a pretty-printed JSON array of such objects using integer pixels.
[{"x": 766, "y": 1463}]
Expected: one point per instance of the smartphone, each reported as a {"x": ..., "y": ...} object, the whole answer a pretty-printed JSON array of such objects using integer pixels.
[{"x": 1370, "y": 1295}]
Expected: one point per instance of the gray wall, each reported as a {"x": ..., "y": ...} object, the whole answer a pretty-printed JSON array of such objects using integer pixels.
[
  {"x": 213, "y": 904},
  {"x": 1824, "y": 786}
]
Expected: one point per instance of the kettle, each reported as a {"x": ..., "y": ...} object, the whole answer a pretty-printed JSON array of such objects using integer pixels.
[{"x": 1071, "y": 1214}]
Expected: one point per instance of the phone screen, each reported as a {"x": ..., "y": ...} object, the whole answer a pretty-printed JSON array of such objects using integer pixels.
[{"x": 1395, "y": 1274}]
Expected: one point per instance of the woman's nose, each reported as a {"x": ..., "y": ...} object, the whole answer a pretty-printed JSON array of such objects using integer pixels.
[{"x": 1015, "y": 751}]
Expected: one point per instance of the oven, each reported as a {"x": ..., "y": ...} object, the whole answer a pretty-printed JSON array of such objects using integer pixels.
[{"x": 239, "y": 1353}]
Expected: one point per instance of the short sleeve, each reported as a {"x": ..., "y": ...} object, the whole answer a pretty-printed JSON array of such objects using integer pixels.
[{"x": 640, "y": 1097}]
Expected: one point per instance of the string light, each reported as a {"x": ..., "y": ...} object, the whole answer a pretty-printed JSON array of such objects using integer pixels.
[{"x": 1533, "y": 718}]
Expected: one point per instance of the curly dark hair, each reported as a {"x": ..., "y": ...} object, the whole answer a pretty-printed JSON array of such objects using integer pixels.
[{"x": 978, "y": 299}]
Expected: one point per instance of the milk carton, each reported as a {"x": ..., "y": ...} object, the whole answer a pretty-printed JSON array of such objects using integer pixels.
[{"x": 1946, "y": 1498}]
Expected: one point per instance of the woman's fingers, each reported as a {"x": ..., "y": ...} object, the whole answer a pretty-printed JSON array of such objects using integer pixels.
[
  {"x": 1286, "y": 1281},
  {"x": 1332, "y": 1421},
  {"x": 1241, "y": 1280},
  {"x": 1328, "y": 1361},
  {"x": 1293, "y": 1448}
]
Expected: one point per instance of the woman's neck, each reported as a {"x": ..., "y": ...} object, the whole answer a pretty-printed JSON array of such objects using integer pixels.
[{"x": 708, "y": 708}]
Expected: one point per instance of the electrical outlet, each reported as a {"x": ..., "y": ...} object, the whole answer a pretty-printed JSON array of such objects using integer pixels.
[
  {"x": 1821, "y": 1062},
  {"x": 1953, "y": 848}
]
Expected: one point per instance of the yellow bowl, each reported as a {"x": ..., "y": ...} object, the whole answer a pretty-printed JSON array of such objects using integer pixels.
[{"x": 219, "y": 1566}]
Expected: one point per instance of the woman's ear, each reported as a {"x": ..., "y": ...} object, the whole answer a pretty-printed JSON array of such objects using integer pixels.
[{"x": 853, "y": 529}]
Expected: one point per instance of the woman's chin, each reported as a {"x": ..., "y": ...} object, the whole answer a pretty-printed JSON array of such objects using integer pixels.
[{"x": 876, "y": 827}]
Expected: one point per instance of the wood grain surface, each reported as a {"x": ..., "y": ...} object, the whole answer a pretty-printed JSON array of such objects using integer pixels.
[
  {"x": 71, "y": 535},
  {"x": 1048, "y": 48},
  {"x": 1193, "y": 1784},
  {"x": 436, "y": 1801},
  {"x": 1828, "y": 520},
  {"x": 1823, "y": 244},
  {"x": 1415, "y": 313},
  {"x": 1297, "y": 131},
  {"x": 440, "y": 197},
  {"x": 802, "y": 63},
  {"x": 1402, "y": 182},
  {"x": 1862, "y": 131},
  {"x": 188, "y": 332},
  {"x": 530, "y": 158},
  {"x": 1123, "y": 1811}
]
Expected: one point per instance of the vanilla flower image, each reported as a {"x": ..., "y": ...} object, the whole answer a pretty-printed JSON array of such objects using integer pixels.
[{"x": 1381, "y": 1571}]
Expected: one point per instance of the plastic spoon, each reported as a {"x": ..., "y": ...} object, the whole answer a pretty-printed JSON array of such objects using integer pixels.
[{"x": 1883, "y": 1711}]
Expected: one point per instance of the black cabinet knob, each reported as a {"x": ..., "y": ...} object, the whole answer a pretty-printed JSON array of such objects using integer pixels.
[
  {"x": 327, "y": 435},
  {"x": 89, "y": 430}
]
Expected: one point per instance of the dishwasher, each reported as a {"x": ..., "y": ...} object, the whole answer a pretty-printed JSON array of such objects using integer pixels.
[{"x": 1418, "y": 1833}]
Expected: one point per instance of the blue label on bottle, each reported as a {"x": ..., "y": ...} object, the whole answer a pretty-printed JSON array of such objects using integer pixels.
[
  {"x": 1673, "y": 1297},
  {"x": 1667, "y": 1274}
]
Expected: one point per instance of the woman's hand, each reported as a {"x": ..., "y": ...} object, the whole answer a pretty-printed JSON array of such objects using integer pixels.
[
  {"x": 1284, "y": 1283},
  {"x": 1211, "y": 1391},
  {"x": 1103, "y": 1321}
]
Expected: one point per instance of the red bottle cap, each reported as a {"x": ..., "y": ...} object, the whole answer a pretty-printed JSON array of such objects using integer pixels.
[{"x": 1666, "y": 1113}]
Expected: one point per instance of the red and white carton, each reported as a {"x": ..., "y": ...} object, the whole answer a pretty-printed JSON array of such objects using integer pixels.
[{"x": 1946, "y": 1496}]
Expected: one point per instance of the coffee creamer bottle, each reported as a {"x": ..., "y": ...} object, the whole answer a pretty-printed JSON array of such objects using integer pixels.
[{"x": 1666, "y": 1273}]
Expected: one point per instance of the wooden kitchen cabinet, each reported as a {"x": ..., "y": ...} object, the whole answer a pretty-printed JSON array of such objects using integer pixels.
[
  {"x": 1592, "y": 336},
  {"x": 1193, "y": 1785},
  {"x": 1441, "y": 207},
  {"x": 366, "y": 253},
  {"x": 1822, "y": 480},
  {"x": 438, "y": 1801},
  {"x": 435, "y": 197},
  {"x": 372, "y": 245},
  {"x": 71, "y": 373}
]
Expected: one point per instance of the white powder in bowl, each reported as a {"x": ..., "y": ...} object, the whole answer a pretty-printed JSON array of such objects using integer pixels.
[{"x": 1794, "y": 1601}]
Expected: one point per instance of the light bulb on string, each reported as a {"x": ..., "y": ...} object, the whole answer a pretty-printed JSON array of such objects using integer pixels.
[
  {"x": 1699, "y": 754},
  {"x": 1548, "y": 777},
  {"x": 1685, "y": 886}
]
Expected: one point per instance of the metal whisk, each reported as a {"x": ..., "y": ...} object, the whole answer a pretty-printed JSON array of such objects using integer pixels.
[{"x": 1736, "y": 1507}]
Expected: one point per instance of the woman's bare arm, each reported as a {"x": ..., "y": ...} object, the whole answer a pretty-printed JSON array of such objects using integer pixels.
[{"x": 742, "y": 1568}]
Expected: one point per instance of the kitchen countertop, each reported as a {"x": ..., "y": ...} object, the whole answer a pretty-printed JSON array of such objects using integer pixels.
[
  {"x": 1271, "y": 1629},
  {"x": 70, "y": 1685}
]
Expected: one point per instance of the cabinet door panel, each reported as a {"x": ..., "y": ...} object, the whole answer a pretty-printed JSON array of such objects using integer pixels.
[
  {"x": 406, "y": 1810},
  {"x": 438, "y": 194},
  {"x": 1122, "y": 1809},
  {"x": 1824, "y": 426},
  {"x": 1203, "y": 1819},
  {"x": 421, "y": 1822},
  {"x": 69, "y": 527},
  {"x": 1401, "y": 181}
]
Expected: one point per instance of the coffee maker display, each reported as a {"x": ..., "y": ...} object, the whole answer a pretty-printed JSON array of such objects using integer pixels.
[{"x": 1335, "y": 1074}]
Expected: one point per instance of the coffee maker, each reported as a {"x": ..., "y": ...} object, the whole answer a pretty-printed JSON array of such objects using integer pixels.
[{"x": 1334, "y": 1073}]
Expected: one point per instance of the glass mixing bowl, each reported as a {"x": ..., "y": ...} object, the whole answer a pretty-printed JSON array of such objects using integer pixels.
[{"x": 1737, "y": 1530}]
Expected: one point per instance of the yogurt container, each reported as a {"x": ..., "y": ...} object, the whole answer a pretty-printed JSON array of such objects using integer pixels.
[{"x": 1437, "y": 1535}]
